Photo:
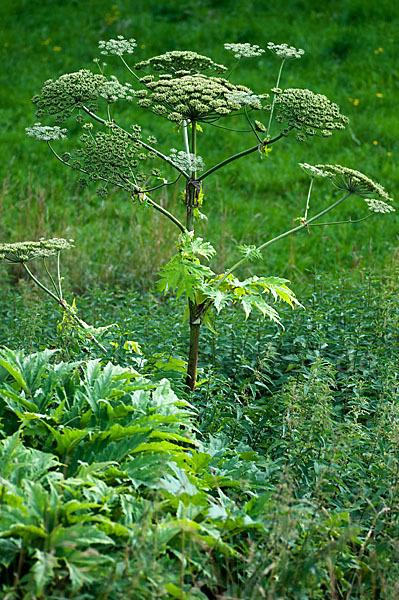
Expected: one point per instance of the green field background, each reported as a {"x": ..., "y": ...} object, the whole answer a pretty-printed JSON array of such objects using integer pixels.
[{"x": 351, "y": 56}]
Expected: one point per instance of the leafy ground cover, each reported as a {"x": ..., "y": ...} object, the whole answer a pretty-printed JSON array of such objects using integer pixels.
[{"x": 277, "y": 478}]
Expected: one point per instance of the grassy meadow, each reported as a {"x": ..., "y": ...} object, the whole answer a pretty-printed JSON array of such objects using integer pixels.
[
  {"x": 351, "y": 56},
  {"x": 278, "y": 477}
]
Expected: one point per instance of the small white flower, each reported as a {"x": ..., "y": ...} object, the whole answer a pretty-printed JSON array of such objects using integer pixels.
[
  {"x": 244, "y": 50},
  {"x": 119, "y": 47},
  {"x": 285, "y": 51},
  {"x": 112, "y": 90},
  {"x": 244, "y": 98},
  {"x": 43, "y": 132},
  {"x": 313, "y": 171},
  {"x": 186, "y": 161},
  {"x": 379, "y": 206}
]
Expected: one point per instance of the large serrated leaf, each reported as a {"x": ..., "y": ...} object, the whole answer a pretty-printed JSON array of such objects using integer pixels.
[
  {"x": 43, "y": 570},
  {"x": 67, "y": 438}
]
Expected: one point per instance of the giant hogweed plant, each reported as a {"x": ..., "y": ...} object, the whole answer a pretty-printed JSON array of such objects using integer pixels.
[{"x": 194, "y": 93}]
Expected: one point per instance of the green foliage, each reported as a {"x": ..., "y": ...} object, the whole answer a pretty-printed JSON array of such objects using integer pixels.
[
  {"x": 281, "y": 482},
  {"x": 249, "y": 294},
  {"x": 186, "y": 275}
]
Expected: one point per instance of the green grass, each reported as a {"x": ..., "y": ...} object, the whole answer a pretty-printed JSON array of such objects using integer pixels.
[{"x": 250, "y": 200}]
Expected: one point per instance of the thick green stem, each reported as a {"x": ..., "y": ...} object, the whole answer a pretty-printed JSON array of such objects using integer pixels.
[
  {"x": 166, "y": 213},
  {"x": 51, "y": 278},
  {"x": 194, "y": 146},
  {"x": 41, "y": 286},
  {"x": 195, "y": 327},
  {"x": 190, "y": 198},
  {"x": 129, "y": 69},
  {"x": 186, "y": 142},
  {"x": 59, "y": 280},
  {"x": 308, "y": 199},
  {"x": 239, "y": 155},
  {"x": 251, "y": 126},
  {"x": 191, "y": 189}
]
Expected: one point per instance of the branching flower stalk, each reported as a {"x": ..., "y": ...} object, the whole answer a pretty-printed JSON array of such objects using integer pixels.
[
  {"x": 283, "y": 235},
  {"x": 24, "y": 252},
  {"x": 139, "y": 192},
  {"x": 274, "y": 97},
  {"x": 308, "y": 200},
  {"x": 189, "y": 90},
  {"x": 285, "y": 53}
]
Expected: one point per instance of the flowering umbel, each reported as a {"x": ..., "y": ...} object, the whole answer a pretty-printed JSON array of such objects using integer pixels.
[
  {"x": 285, "y": 51},
  {"x": 244, "y": 50},
  {"x": 46, "y": 133},
  {"x": 75, "y": 90},
  {"x": 119, "y": 47},
  {"x": 68, "y": 92},
  {"x": 194, "y": 97},
  {"x": 359, "y": 184},
  {"x": 181, "y": 62},
  {"x": 114, "y": 157},
  {"x": 310, "y": 114},
  {"x": 187, "y": 162},
  {"x": 183, "y": 91},
  {"x": 21, "y": 252},
  {"x": 312, "y": 171}
]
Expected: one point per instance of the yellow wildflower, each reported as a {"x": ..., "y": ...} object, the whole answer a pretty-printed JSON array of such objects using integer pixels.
[
  {"x": 57, "y": 48},
  {"x": 375, "y": 143},
  {"x": 379, "y": 95},
  {"x": 356, "y": 102},
  {"x": 46, "y": 42}
]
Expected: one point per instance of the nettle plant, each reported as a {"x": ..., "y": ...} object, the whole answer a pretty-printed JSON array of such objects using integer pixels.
[{"x": 193, "y": 92}]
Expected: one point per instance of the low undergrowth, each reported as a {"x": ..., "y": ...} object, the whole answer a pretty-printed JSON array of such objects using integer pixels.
[{"x": 278, "y": 478}]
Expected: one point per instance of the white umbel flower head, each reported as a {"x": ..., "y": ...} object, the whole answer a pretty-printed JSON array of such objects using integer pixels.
[
  {"x": 284, "y": 51},
  {"x": 313, "y": 172},
  {"x": 246, "y": 98},
  {"x": 113, "y": 90},
  {"x": 46, "y": 133},
  {"x": 379, "y": 206},
  {"x": 244, "y": 50},
  {"x": 21, "y": 252},
  {"x": 358, "y": 184},
  {"x": 189, "y": 162},
  {"x": 119, "y": 47}
]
